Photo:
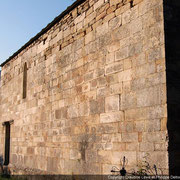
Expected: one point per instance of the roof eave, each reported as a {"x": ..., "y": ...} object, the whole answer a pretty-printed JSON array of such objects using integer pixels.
[{"x": 43, "y": 31}]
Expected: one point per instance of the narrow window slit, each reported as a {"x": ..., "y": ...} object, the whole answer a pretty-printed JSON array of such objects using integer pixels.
[
  {"x": 44, "y": 41},
  {"x": 25, "y": 81},
  {"x": 131, "y": 3}
]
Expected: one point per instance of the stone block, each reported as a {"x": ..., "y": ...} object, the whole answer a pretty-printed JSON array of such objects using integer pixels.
[
  {"x": 132, "y": 147},
  {"x": 106, "y": 168},
  {"x": 101, "y": 81},
  {"x": 153, "y": 125},
  {"x": 108, "y": 17},
  {"x": 159, "y": 158},
  {"x": 107, "y": 128},
  {"x": 112, "y": 117},
  {"x": 140, "y": 59},
  {"x": 52, "y": 164},
  {"x": 157, "y": 137},
  {"x": 116, "y": 138},
  {"x": 130, "y": 137},
  {"x": 145, "y": 70},
  {"x": 86, "y": 87},
  {"x": 115, "y": 89},
  {"x": 79, "y": 18},
  {"x": 119, "y": 146},
  {"x": 89, "y": 18},
  {"x": 61, "y": 113},
  {"x": 102, "y": 29},
  {"x": 139, "y": 126},
  {"x": 113, "y": 46},
  {"x": 83, "y": 109},
  {"x": 136, "y": 114},
  {"x": 135, "y": 2},
  {"x": 97, "y": 106},
  {"x": 73, "y": 111},
  {"x": 135, "y": 49},
  {"x": 89, "y": 76},
  {"x": 122, "y": 54},
  {"x": 122, "y": 9},
  {"x": 110, "y": 58},
  {"x": 101, "y": 16},
  {"x": 127, "y": 64},
  {"x": 112, "y": 103},
  {"x": 155, "y": 54},
  {"x": 112, "y": 79},
  {"x": 139, "y": 83},
  {"x": 105, "y": 156},
  {"x": 146, "y": 146},
  {"x": 136, "y": 25},
  {"x": 75, "y": 154},
  {"x": 111, "y": 9},
  {"x": 89, "y": 37},
  {"x": 149, "y": 97},
  {"x": 99, "y": 72},
  {"x": 113, "y": 68},
  {"x": 104, "y": 91},
  {"x": 125, "y": 75},
  {"x": 163, "y": 124},
  {"x": 98, "y": 4},
  {"x": 126, "y": 86},
  {"x": 121, "y": 32},
  {"x": 128, "y": 101},
  {"x": 14, "y": 158},
  {"x": 114, "y": 2},
  {"x": 161, "y": 146},
  {"x": 115, "y": 22},
  {"x": 117, "y": 156},
  {"x": 126, "y": 17},
  {"x": 91, "y": 156},
  {"x": 126, "y": 127}
]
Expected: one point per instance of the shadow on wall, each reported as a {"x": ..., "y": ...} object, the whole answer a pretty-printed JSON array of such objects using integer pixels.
[
  {"x": 1, "y": 164},
  {"x": 4, "y": 170},
  {"x": 172, "y": 43}
]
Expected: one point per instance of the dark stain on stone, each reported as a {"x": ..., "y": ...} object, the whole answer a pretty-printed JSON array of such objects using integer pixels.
[{"x": 83, "y": 147}]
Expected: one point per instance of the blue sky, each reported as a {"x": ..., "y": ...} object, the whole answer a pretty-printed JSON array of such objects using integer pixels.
[{"x": 20, "y": 20}]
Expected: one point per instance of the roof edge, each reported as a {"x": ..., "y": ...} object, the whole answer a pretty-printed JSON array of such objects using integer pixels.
[{"x": 44, "y": 30}]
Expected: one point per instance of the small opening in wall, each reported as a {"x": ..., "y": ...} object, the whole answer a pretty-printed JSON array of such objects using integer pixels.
[
  {"x": 7, "y": 143},
  {"x": 131, "y": 3},
  {"x": 44, "y": 41},
  {"x": 25, "y": 81}
]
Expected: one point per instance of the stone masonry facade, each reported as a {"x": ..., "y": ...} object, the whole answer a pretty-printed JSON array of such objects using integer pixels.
[{"x": 96, "y": 91}]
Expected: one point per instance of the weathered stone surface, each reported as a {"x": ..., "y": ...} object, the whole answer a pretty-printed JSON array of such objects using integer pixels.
[
  {"x": 125, "y": 75},
  {"x": 112, "y": 117},
  {"x": 112, "y": 103},
  {"x": 122, "y": 54},
  {"x": 128, "y": 101},
  {"x": 126, "y": 127},
  {"x": 73, "y": 111},
  {"x": 113, "y": 68},
  {"x": 97, "y": 107},
  {"x": 148, "y": 97},
  {"x": 146, "y": 147},
  {"x": 115, "y": 22},
  {"x": 129, "y": 137}
]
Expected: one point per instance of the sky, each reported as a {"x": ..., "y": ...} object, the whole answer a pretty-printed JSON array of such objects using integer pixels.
[{"x": 20, "y": 20}]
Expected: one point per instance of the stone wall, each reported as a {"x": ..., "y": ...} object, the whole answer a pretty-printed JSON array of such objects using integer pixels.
[{"x": 96, "y": 91}]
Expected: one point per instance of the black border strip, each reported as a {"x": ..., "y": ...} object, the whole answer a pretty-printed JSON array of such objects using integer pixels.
[{"x": 49, "y": 26}]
